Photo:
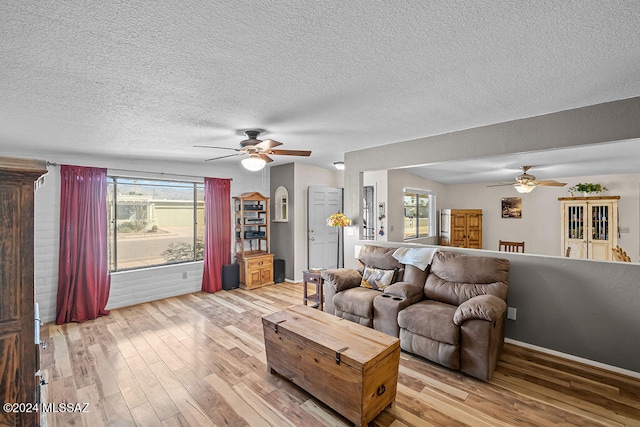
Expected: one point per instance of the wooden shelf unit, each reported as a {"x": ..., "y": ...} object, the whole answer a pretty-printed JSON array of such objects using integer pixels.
[
  {"x": 252, "y": 244},
  {"x": 251, "y": 223}
]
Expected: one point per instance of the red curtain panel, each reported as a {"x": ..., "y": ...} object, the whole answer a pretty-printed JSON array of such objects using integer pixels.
[
  {"x": 83, "y": 273},
  {"x": 217, "y": 231}
]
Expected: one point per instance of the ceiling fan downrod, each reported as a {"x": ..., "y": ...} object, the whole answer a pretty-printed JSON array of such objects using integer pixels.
[{"x": 252, "y": 133}]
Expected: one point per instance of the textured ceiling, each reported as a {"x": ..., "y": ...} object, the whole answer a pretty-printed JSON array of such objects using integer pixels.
[{"x": 149, "y": 79}]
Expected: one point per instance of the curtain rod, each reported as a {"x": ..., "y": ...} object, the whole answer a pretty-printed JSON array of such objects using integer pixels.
[{"x": 140, "y": 171}]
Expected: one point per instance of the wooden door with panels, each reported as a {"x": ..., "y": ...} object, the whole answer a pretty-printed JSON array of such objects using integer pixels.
[
  {"x": 266, "y": 273},
  {"x": 461, "y": 228},
  {"x": 474, "y": 230}
]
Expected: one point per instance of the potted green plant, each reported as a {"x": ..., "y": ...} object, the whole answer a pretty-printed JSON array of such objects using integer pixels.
[{"x": 587, "y": 188}]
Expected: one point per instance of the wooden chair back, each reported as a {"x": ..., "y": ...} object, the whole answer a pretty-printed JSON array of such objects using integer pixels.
[
  {"x": 506, "y": 246},
  {"x": 619, "y": 254}
]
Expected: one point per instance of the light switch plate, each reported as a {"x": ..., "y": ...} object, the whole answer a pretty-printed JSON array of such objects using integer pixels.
[{"x": 511, "y": 313}]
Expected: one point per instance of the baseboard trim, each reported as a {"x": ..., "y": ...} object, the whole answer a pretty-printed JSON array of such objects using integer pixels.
[{"x": 611, "y": 368}]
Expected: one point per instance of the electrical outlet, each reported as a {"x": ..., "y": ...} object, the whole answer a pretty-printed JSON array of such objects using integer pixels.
[
  {"x": 624, "y": 229},
  {"x": 184, "y": 274},
  {"x": 511, "y": 313}
]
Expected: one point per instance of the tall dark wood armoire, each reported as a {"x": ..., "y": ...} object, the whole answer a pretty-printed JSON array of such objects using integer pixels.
[{"x": 18, "y": 350}]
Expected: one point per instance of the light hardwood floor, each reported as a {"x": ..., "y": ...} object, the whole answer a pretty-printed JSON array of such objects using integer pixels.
[{"x": 199, "y": 360}]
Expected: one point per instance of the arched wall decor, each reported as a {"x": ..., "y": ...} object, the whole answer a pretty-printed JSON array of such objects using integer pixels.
[{"x": 281, "y": 205}]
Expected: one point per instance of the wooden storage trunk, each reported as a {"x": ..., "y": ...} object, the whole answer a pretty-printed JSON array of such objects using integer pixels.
[{"x": 351, "y": 368}]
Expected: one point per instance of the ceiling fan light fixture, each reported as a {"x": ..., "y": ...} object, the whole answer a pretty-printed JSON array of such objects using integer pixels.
[
  {"x": 253, "y": 163},
  {"x": 339, "y": 165},
  {"x": 524, "y": 188}
]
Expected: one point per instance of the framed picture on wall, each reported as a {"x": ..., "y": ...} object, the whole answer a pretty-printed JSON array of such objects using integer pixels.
[{"x": 512, "y": 207}]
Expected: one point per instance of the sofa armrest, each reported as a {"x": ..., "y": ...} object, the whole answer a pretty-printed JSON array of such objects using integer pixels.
[
  {"x": 482, "y": 307},
  {"x": 404, "y": 290},
  {"x": 342, "y": 278}
]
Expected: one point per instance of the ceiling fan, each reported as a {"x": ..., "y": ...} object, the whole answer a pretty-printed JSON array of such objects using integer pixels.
[
  {"x": 257, "y": 149},
  {"x": 525, "y": 183}
]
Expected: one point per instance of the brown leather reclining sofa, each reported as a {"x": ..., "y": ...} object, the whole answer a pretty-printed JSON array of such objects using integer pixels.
[{"x": 452, "y": 313}]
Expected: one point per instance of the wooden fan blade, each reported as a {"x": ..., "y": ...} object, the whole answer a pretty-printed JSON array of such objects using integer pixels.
[
  {"x": 290, "y": 152},
  {"x": 551, "y": 183},
  {"x": 267, "y": 144},
  {"x": 504, "y": 184},
  {"x": 265, "y": 157},
  {"x": 218, "y": 148},
  {"x": 224, "y": 157}
]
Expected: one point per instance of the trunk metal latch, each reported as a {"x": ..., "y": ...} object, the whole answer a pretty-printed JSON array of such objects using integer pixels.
[
  {"x": 275, "y": 325},
  {"x": 338, "y": 354}
]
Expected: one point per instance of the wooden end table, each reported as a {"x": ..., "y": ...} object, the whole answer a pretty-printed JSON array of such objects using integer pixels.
[{"x": 315, "y": 278}]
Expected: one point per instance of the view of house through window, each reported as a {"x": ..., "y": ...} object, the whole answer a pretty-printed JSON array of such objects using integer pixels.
[
  {"x": 419, "y": 214},
  {"x": 154, "y": 222}
]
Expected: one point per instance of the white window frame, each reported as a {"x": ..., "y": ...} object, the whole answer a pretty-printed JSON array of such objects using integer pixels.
[
  {"x": 114, "y": 180},
  {"x": 432, "y": 213}
]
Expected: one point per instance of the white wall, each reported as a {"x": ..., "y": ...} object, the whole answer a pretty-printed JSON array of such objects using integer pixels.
[
  {"x": 128, "y": 287},
  {"x": 47, "y": 243},
  {"x": 378, "y": 179},
  {"x": 398, "y": 180},
  {"x": 539, "y": 226}
]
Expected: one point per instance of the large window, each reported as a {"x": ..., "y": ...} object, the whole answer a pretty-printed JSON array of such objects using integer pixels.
[
  {"x": 419, "y": 214},
  {"x": 154, "y": 222}
]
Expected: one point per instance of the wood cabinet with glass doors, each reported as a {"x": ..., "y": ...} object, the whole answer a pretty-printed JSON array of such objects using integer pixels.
[
  {"x": 251, "y": 233},
  {"x": 589, "y": 226},
  {"x": 461, "y": 228}
]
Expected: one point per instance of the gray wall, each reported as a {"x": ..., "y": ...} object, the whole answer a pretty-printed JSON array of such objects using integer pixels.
[
  {"x": 282, "y": 233},
  {"x": 585, "y": 308}
]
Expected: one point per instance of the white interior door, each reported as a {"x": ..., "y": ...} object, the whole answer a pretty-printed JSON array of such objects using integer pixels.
[{"x": 322, "y": 240}]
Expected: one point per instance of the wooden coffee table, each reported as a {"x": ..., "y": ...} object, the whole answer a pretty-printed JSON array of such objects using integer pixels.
[{"x": 349, "y": 367}]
